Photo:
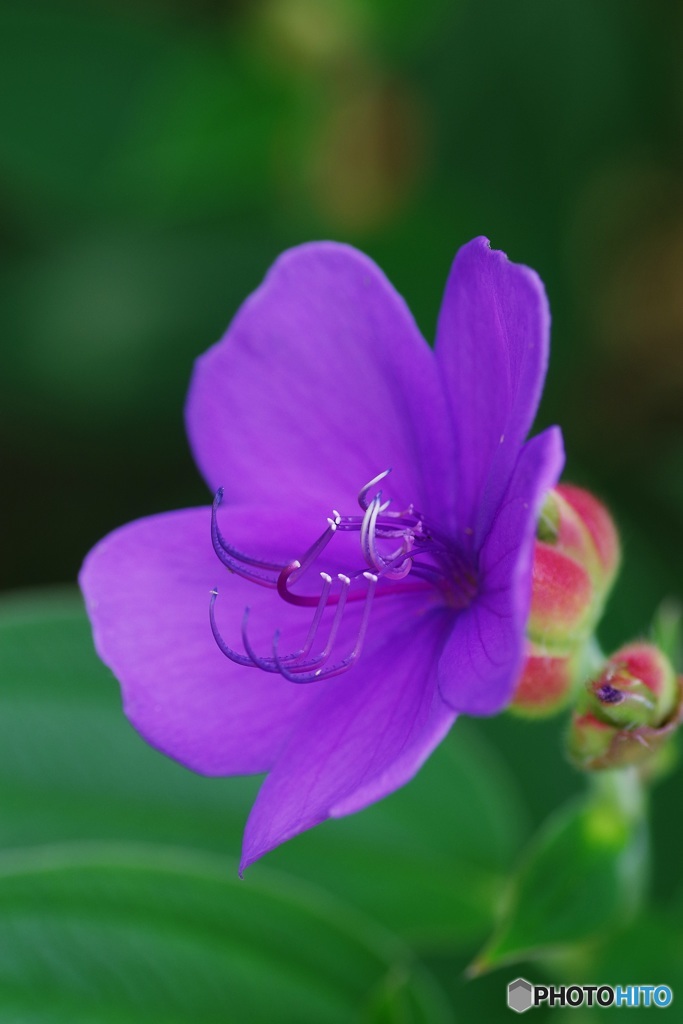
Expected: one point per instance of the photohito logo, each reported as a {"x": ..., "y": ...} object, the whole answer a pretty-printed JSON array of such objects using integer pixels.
[{"x": 522, "y": 995}]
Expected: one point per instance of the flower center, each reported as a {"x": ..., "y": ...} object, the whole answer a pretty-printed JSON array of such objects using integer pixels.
[{"x": 403, "y": 551}]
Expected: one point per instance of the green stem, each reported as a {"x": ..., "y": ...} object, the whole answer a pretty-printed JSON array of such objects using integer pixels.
[
  {"x": 621, "y": 789},
  {"x": 593, "y": 659},
  {"x": 620, "y": 802}
]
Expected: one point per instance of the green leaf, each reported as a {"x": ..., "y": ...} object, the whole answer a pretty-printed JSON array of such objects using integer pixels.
[
  {"x": 582, "y": 876},
  {"x": 429, "y": 861},
  {"x": 133, "y": 934},
  {"x": 649, "y": 951}
]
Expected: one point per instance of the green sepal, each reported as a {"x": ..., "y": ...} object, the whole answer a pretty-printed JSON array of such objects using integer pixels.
[{"x": 549, "y": 520}]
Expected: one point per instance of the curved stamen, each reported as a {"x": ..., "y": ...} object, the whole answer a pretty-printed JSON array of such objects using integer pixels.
[
  {"x": 239, "y": 659},
  {"x": 317, "y": 618},
  {"x": 319, "y": 545},
  {"x": 364, "y": 491},
  {"x": 336, "y": 621},
  {"x": 246, "y": 572},
  {"x": 366, "y": 528},
  {"x": 253, "y": 569},
  {"x": 341, "y": 666},
  {"x": 293, "y": 663},
  {"x": 371, "y": 553},
  {"x": 291, "y": 572},
  {"x": 296, "y": 667},
  {"x": 394, "y": 544},
  {"x": 376, "y": 524},
  {"x": 302, "y": 600},
  {"x": 267, "y": 664},
  {"x": 219, "y": 541}
]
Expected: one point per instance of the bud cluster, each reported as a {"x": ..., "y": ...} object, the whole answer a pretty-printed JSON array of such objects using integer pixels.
[
  {"x": 632, "y": 702},
  {"x": 576, "y": 559}
]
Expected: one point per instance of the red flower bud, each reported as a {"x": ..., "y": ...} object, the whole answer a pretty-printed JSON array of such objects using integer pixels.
[
  {"x": 546, "y": 682},
  {"x": 597, "y": 521},
  {"x": 638, "y": 686},
  {"x": 575, "y": 561},
  {"x": 628, "y": 712},
  {"x": 576, "y": 557},
  {"x": 562, "y": 598}
]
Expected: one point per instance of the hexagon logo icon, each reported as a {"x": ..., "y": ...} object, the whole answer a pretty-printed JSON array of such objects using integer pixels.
[{"x": 520, "y": 995}]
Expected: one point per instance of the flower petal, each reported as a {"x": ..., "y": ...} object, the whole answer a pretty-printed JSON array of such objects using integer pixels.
[
  {"x": 483, "y": 656},
  {"x": 321, "y": 382},
  {"x": 368, "y": 733},
  {"x": 147, "y": 593},
  {"x": 492, "y": 349}
]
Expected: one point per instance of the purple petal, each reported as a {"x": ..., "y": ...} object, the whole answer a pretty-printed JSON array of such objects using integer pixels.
[
  {"x": 147, "y": 593},
  {"x": 321, "y": 382},
  {"x": 368, "y": 733},
  {"x": 483, "y": 656},
  {"x": 492, "y": 349}
]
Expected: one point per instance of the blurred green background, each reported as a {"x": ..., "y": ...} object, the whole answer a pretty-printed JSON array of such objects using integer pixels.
[{"x": 157, "y": 155}]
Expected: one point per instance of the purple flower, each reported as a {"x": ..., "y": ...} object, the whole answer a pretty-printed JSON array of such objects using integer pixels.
[{"x": 361, "y": 646}]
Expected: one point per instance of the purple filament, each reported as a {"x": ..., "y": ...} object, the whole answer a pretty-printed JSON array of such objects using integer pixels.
[{"x": 417, "y": 550}]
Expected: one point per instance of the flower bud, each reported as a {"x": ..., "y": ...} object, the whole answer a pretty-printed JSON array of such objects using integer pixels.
[
  {"x": 576, "y": 557},
  {"x": 604, "y": 552},
  {"x": 638, "y": 686},
  {"x": 575, "y": 561},
  {"x": 590, "y": 741},
  {"x": 562, "y": 598},
  {"x": 628, "y": 712},
  {"x": 593, "y": 745},
  {"x": 546, "y": 682}
]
